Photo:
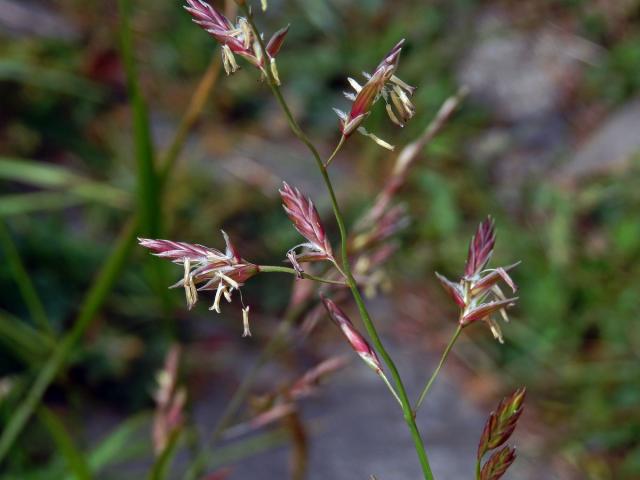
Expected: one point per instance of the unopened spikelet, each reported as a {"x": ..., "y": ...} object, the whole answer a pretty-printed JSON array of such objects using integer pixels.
[
  {"x": 355, "y": 339},
  {"x": 477, "y": 293},
  {"x": 480, "y": 248},
  {"x": 498, "y": 464},
  {"x": 305, "y": 218},
  {"x": 497, "y": 430},
  {"x": 501, "y": 422}
]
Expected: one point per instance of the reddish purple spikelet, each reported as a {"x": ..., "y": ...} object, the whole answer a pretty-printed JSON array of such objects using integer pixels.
[
  {"x": 355, "y": 339},
  {"x": 480, "y": 248},
  {"x": 236, "y": 39},
  {"x": 477, "y": 293},
  {"x": 491, "y": 279},
  {"x": 453, "y": 289},
  {"x": 486, "y": 309},
  {"x": 381, "y": 84},
  {"x": 498, "y": 464},
  {"x": 501, "y": 422},
  {"x": 206, "y": 268},
  {"x": 276, "y": 41},
  {"x": 206, "y": 16},
  {"x": 306, "y": 220}
]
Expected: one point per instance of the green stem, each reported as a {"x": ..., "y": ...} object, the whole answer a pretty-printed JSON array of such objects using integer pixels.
[
  {"x": 335, "y": 152},
  {"x": 23, "y": 280},
  {"x": 478, "y": 469},
  {"x": 364, "y": 314},
  {"x": 273, "y": 268},
  {"x": 445, "y": 354}
]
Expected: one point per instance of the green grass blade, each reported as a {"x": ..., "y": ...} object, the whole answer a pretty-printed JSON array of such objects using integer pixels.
[
  {"x": 22, "y": 203},
  {"x": 23, "y": 280},
  {"x": 93, "y": 301},
  {"x": 26, "y": 343},
  {"x": 148, "y": 191},
  {"x": 44, "y": 175},
  {"x": 162, "y": 464},
  {"x": 50, "y": 79},
  {"x": 73, "y": 456},
  {"x": 121, "y": 444}
]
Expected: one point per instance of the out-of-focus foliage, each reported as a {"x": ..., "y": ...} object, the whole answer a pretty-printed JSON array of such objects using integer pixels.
[{"x": 65, "y": 116}]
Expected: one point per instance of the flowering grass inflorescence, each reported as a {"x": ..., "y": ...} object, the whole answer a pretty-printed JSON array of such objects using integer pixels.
[
  {"x": 477, "y": 293},
  {"x": 236, "y": 39},
  {"x": 384, "y": 84}
]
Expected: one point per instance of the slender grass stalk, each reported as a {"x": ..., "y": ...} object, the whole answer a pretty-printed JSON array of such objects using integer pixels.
[
  {"x": 161, "y": 466},
  {"x": 364, "y": 314},
  {"x": 272, "y": 268},
  {"x": 445, "y": 354},
  {"x": 148, "y": 191},
  {"x": 23, "y": 280},
  {"x": 73, "y": 456}
]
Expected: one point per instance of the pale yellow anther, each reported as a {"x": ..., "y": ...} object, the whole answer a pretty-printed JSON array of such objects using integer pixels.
[
  {"x": 216, "y": 302},
  {"x": 245, "y": 322},
  {"x": 189, "y": 287}
]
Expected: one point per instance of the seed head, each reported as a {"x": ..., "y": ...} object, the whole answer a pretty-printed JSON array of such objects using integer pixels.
[
  {"x": 501, "y": 422},
  {"x": 305, "y": 218},
  {"x": 498, "y": 464},
  {"x": 206, "y": 268},
  {"x": 236, "y": 39},
  {"x": 478, "y": 294},
  {"x": 381, "y": 84}
]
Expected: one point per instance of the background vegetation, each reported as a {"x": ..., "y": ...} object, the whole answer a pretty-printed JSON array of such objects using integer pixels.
[{"x": 89, "y": 108}]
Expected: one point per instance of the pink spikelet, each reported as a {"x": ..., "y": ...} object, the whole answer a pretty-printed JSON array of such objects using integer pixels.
[
  {"x": 477, "y": 293},
  {"x": 236, "y": 39},
  {"x": 480, "y": 248},
  {"x": 355, "y": 339},
  {"x": 498, "y": 429},
  {"x": 305, "y": 218},
  {"x": 381, "y": 84},
  {"x": 206, "y": 268}
]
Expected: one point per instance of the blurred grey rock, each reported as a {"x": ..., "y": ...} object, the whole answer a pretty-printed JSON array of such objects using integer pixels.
[
  {"x": 519, "y": 75},
  {"x": 610, "y": 148},
  {"x": 31, "y": 19}
]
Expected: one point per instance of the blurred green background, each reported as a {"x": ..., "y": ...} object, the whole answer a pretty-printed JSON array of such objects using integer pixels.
[{"x": 547, "y": 142}]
